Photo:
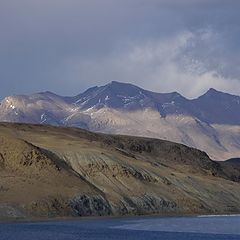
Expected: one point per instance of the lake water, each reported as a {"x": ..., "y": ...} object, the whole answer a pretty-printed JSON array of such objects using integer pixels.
[{"x": 166, "y": 228}]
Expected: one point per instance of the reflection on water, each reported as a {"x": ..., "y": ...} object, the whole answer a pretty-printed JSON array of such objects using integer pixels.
[
  {"x": 202, "y": 224},
  {"x": 172, "y": 228}
]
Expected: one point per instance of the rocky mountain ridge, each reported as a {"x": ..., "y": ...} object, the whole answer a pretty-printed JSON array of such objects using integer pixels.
[{"x": 210, "y": 122}]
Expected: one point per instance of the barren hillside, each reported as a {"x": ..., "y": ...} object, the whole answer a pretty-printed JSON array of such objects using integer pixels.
[{"x": 48, "y": 171}]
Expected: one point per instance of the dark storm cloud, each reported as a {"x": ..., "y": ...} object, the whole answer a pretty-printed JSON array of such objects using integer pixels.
[{"x": 67, "y": 46}]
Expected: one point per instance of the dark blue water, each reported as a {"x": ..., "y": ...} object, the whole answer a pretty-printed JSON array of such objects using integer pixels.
[{"x": 183, "y": 228}]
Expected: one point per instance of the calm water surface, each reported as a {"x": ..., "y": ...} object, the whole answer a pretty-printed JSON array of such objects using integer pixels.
[{"x": 171, "y": 228}]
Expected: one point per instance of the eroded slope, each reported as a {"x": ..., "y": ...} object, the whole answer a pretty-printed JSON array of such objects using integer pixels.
[{"x": 54, "y": 171}]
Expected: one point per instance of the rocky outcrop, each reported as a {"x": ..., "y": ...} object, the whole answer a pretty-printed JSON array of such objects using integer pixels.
[
  {"x": 146, "y": 204},
  {"x": 84, "y": 205}
]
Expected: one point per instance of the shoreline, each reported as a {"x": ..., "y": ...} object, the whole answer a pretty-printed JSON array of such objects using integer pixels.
[{"x": 102, "y": 218}]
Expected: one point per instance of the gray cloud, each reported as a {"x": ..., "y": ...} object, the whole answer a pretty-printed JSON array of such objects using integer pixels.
[{"x": 162, "y": 45}]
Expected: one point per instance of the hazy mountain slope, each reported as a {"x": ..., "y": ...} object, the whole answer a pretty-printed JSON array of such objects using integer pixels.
[
  {"x": 210, "y": 122},
  {"x": 50, "y": 171},
  {"x": 41, "y": 107},
  {"x": 219, "y": 141}
]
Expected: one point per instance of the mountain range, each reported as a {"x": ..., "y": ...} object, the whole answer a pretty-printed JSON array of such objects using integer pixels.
[{"x": 210, "y": 122}]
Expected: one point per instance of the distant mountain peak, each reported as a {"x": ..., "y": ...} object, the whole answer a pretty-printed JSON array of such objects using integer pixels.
[
  {"x": 213, "y": 107},
  {"x": 47, "y": 92},
  {"x": 114, "y": 95},
  {"x": 116, "y": 82},
  {"x": 121, "y": 86},
  {"x": 213, "y": 93},
  {"x": 212, "y": 90}
]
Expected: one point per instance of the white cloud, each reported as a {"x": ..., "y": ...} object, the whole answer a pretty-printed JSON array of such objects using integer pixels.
[
  {"x": 180, "y": 63},
  {"x": 164, "y": 45}
]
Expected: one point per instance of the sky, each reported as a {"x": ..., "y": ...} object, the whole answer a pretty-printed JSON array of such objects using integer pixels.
[{"x": 66, "y": 46}]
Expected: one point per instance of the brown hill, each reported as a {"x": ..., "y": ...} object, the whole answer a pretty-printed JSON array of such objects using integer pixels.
[{"x": 48, "y": 171}]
